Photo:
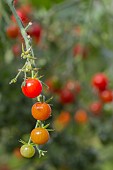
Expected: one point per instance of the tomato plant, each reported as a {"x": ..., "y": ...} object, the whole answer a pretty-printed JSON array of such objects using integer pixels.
[
  {"x": 32, "y": 88},
  {"x": 39, "y": 136}
]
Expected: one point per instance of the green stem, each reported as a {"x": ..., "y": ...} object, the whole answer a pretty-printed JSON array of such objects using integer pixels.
[{"x": 22, "y": 29}]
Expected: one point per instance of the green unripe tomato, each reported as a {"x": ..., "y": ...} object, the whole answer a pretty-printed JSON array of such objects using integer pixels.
[{"x": 27, "y": 151}]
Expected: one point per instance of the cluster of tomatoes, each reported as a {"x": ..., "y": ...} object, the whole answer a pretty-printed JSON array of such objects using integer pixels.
[
  {"x": 103, "y": 92},
  {"x": 41, "y": 111},
  {"x": 67, "y": 94},
  {"x": 13, "y": 32}
]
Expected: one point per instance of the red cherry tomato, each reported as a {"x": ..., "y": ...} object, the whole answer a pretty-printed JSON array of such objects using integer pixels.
[
  {"x": 41, "y": 111},
  {"x": 35, "y": 31},
  {"x": 106, "y": 96},
  {"x": 96, "y": 107},
  {"x": 12, "y": 31},
  {"x": 39, "y": 136},
  {"x": 66, "y": 96},
  {"x": 100, "y": 81},
  {"x": 32, "y": 88}
]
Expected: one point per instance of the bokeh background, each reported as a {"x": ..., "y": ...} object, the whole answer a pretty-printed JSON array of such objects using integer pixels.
[{"x": 73, "y": 42}]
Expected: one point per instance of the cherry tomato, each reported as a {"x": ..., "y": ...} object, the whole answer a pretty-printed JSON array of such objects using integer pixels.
[
  {"x": 66, "y": 96},
  {"x": 12, "y": 31},
  {"x": 81, "y": 116},
  {"x": 27, "y": 151},
  {"x": 106, "y": 96},
  {"x": 32, "y": 88},
  {"x": 96, "y": 107},
  {"x": 64, "y": 117},
  {"x": 100, "y": 81},
  {"x": 40, "y": 136},
  {"x": 35, "y": 32},
  {"x": 41, "y": 111},
  {"x": 62, "y": 120}
]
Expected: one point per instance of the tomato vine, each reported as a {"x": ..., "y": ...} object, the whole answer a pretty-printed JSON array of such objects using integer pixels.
[{"x": 31, "y": 88}]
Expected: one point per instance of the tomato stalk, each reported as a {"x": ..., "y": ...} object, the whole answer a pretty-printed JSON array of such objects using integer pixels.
[
  {"x": 29, "y": 67},
  {"x": 28, "y": 54}
]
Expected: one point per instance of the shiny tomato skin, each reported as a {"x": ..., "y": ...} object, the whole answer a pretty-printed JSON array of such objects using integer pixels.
[
  {"x": 39, "y": 136},
  {"x": 106, "y": 96},
  {"x": 41, "y": 111},
  {"x": 27, "y": 151},
  {"x": 12, "y": 31},
  {"x": 32, "y": 88},
  {"x": 100, "y": 81}
]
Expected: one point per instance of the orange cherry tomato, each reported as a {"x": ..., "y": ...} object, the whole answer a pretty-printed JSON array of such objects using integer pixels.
[
  {"x": 81, "y": 116},
  {"x": 41, "y": 111},
  {"x": 64, "y": 117},
  {"x": 40, "y": 136},
  {"x": 62, "y": 120}
]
